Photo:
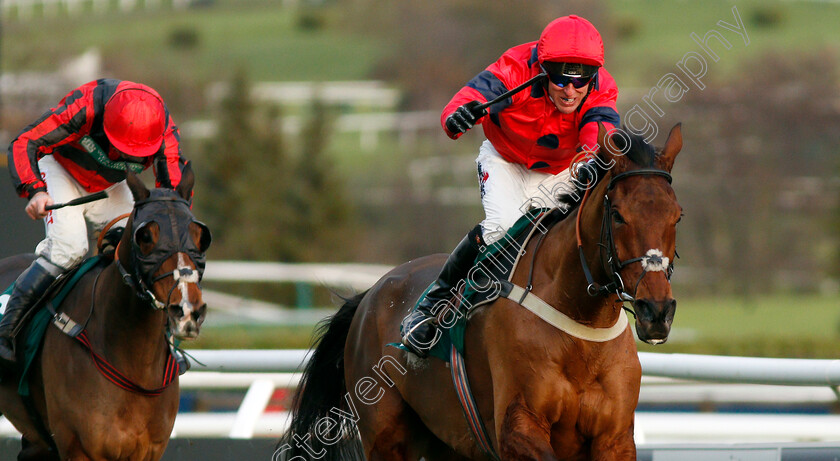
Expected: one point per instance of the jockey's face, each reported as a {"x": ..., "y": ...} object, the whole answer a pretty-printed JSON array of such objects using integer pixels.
[{"x": 567, "y": 98}]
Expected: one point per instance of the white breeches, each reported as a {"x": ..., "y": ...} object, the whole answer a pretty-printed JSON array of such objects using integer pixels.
[
  {"x": 509, "y": 190},
  {"x": 66, "y": 242}
]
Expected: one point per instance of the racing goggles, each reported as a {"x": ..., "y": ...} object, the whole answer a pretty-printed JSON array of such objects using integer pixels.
[{"x": 563, "y": 73}]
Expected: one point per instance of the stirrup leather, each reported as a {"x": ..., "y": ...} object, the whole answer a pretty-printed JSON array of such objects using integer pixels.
[{"x": 409, "y": 341}]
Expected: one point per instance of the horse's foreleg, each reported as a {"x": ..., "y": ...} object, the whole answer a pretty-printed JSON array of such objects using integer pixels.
[
  {"x": 618, "y": 448},
  {"x": 35, "y": 452},
  {"x": 390, "y": 444},
  {"x": 524, "y": 435}
]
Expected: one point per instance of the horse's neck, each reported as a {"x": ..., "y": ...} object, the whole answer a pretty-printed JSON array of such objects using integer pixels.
[
  {"x": 562, "y": 271},
  {"x": 125, "y": 324}
]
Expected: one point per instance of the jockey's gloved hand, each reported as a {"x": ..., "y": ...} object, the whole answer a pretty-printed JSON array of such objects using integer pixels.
[
  {"x": 464, "y": 117},
  {"x": 567, "y": 202},
  {"x": 584, "y": 174}
]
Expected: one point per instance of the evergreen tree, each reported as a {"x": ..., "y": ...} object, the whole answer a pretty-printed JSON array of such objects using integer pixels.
[{"x": 263, "y": 202}]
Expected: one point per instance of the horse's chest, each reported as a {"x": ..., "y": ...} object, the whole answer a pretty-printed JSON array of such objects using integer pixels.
[{"x": 592, "y": 410}]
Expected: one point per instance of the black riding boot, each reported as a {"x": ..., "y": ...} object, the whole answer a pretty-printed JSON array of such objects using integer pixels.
[
  {"x": 419, "y": 328},
  {"x": 29, "y": 287}
]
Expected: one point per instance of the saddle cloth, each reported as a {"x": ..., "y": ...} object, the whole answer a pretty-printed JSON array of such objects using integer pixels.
[
  {"x": 30, "y": 332},
  {"x": 494, "y": 264}
]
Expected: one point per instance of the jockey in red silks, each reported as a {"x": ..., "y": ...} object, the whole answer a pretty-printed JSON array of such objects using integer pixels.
[
  {"x": 533, "y": 137},
  {"x": 86, "y": 144}
]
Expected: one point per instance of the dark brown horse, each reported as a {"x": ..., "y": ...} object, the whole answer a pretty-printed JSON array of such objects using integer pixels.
[
  {"x": 124, "y": 306},
  {"x": 544, "y": 392}
]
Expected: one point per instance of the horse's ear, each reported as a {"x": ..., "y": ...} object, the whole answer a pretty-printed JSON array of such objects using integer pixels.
[
  {"x": 603, "y": 140},
  {"x": 136, "y": 186},
  {"x": 185, "y": 187},
  {"x": 672, "y": 147}
]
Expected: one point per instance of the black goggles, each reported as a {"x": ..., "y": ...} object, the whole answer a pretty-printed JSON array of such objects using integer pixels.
[
  {"x": 563, "y": 80},
  {"x": 561, "y": 74}
]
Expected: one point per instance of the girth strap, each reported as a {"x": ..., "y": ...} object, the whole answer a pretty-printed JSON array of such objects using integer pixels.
[
  {"x": 468, "y": 406},
  {"x": 560, "y": 320}
]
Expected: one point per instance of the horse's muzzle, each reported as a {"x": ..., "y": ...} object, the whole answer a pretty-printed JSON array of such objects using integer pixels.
[
  {"x": 654, "y": 318},
  {"x": 184, "y": 322}
]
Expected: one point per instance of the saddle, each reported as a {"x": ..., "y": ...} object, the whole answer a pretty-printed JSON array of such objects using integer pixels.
[
  {"x": 488, "y": 279},
  {"x": 497, "y": 263}
]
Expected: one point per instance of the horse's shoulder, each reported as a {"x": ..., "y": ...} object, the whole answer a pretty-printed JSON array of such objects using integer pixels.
[
  {"x": 12, "y": 266},
  {"x": 18, "y": 261}
]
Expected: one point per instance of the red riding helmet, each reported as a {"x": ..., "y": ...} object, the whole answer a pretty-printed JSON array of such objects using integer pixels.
[
  {"x": 135, "y": 120},
  {"x": 571, "y": 39}
]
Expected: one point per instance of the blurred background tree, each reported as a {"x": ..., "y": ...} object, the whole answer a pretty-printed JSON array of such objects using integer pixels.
[
  {"x": 438, "y": 46},
  {"x": 266, "y": 197},
  {"x": 759, "y": 171}
]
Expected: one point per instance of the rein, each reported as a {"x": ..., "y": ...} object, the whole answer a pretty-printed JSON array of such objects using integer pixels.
[
  {"x": 525, "y": 298},
  {"x": 651, "y": 262},
  {"x": 108, "y": 227}
]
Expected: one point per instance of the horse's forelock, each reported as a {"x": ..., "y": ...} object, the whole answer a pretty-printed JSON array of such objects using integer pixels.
[
  {"x": 639, "y": 152},
  {"x": 162, "y": 193}
]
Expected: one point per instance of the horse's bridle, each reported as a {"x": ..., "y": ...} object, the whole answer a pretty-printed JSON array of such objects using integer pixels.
[
  {"x": 142, "y": 267},
  {"x": 609, "y": 258}
]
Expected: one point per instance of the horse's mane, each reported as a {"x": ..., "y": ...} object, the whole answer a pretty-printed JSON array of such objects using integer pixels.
[{"x": 639, "y": 152}]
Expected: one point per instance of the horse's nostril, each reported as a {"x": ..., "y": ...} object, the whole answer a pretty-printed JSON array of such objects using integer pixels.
[
  {"x": 655, "y": 311},
  {"x": 198, "y": 315},
  {"x": 644, "y": 310}
]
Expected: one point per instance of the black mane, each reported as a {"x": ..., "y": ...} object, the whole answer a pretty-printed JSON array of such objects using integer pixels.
[{"x": 639, "y": 152}]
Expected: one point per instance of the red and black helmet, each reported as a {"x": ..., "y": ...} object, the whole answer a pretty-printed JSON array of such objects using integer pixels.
[
  {"x": 135, "y": 120},
  {"x": 571, "y": 45}
]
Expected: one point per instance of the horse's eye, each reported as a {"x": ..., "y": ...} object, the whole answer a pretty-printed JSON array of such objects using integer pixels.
[
  {"x": 617, "y": 218},
  {"x": 145, "y": 236}
]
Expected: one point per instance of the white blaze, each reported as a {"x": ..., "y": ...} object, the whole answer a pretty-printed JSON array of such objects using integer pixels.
[
  {"x": 654, "y": 261},
  {"x": 183, "y": 286}
]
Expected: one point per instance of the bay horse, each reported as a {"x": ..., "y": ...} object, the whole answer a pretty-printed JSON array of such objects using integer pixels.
[
  {"x": 130, "y": 307},
  {"x": 542, "y": 393}
]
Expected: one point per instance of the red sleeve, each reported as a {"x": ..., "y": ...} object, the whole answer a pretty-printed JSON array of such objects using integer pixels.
[
  {"x": 600, "y": 106},
  {"x": 510, "y": 70},
  {"x": 168, "y": 171},
  {"x": 65, "y": 123}
]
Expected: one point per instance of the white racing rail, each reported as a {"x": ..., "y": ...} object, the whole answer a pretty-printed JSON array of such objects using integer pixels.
[{"x": 669, "y": 378}]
